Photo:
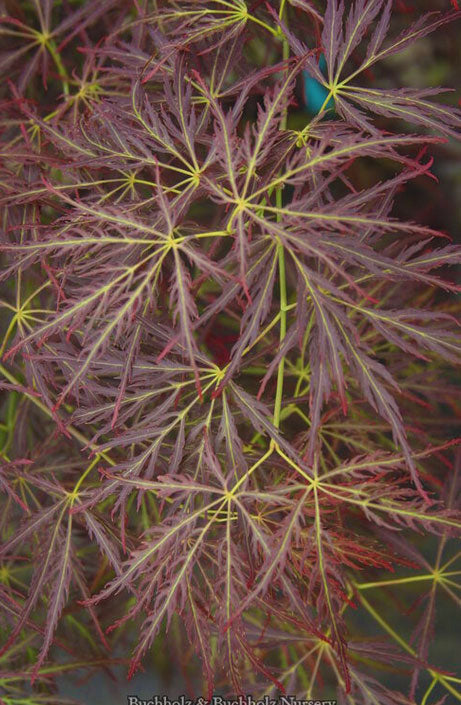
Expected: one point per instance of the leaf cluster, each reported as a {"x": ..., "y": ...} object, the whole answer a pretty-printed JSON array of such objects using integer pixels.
[{"x": 224, "y": 355}]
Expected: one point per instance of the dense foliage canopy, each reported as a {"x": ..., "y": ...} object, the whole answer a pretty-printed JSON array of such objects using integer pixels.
[{"x": 227, "y": 362}]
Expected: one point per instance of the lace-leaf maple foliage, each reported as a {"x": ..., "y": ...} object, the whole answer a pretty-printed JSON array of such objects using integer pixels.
[{"x": 220, "y": 342}]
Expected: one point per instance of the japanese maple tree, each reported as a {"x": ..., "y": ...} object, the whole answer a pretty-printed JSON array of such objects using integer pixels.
[{"x": 228, "y": 411}]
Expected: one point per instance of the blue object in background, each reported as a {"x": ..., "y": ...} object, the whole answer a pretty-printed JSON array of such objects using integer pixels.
[{"x": 315, "y": 92}]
